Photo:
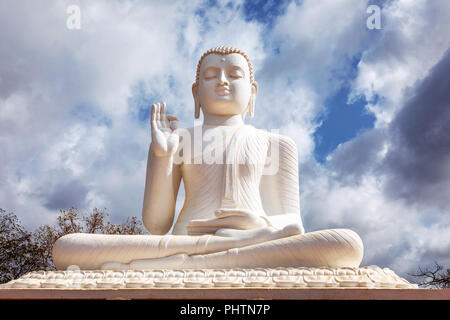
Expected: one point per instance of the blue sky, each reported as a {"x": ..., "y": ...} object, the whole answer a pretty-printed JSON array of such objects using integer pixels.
[
  {"x": 342, "y": 122},
  {"x": 343, "y": 119},
  {"x": 367, "y": 109}
]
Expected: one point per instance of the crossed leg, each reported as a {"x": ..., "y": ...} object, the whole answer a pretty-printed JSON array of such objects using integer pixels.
[
  {"x": 92, "y": 251},
  {"x": 236, "y": 249},
  {"x": 334, "y": 248}
]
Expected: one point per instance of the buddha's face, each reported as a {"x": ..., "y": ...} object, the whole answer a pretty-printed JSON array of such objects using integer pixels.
[{"x": 224, "y": 86}]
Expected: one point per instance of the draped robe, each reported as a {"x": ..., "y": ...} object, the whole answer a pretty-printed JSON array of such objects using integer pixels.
[
  {"x": 240, "y": 182},
  {"x": 249, "y": 173}
]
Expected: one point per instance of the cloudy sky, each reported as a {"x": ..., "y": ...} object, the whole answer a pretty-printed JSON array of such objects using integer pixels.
[{"x": 369, "y": 109}]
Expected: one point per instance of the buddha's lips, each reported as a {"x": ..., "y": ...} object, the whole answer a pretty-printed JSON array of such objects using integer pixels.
[{"x": 223, "y": 91}]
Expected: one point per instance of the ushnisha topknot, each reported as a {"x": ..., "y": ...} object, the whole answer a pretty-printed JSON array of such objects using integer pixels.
[{"x": 223, "y": 50}]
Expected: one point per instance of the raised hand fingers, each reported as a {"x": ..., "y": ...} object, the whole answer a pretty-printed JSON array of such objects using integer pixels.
[
  {"x": 154, "y": 116},
  {"x": 159, "y": 119},
  {"x": 173, "y": 121},
  {"x": 162, "y": 115},
  {"x": 153, "y": 113}
]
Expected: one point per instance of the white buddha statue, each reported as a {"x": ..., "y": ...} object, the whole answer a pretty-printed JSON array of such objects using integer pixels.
[{"x": 239, "y": 212}]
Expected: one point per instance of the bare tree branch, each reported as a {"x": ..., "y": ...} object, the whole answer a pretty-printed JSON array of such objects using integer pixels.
[
  {"x": 434, "y": 278},
  {"x": 23, "y": 251}
]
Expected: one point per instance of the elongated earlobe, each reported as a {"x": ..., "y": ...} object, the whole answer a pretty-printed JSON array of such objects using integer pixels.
[
  {"x": 251, "y": 107},
  {"x": 251, "y": 104},
  {"x": 197, "y": 109},
  {"x": 196, "y": 102}
]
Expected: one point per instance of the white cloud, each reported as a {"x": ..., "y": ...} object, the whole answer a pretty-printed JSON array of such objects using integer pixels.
[
  {"x": 363, "y": 182},
  {"x": 414, "y": 37},
  {"x": 65, "y": 108},
  {"x": 70, "y": 104}
]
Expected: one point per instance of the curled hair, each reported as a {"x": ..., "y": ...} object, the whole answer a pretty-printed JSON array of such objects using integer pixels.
[{"x": 223, "y": 50}]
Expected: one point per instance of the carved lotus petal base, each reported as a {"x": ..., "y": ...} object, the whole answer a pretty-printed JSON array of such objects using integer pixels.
[{"x": 366, "y": 277}]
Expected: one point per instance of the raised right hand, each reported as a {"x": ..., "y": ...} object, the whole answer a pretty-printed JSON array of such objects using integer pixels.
[{"x": 165, "y": 140}]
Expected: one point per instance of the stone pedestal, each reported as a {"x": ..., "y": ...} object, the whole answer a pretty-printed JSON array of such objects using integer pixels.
[
  {"x": 367, "y": 277},
  {"x": 366, "y": 283},
  {"x": 229, "y": 294}
]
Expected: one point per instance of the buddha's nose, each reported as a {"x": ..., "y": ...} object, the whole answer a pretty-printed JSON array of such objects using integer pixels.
[{"x": 222, "y": 78}]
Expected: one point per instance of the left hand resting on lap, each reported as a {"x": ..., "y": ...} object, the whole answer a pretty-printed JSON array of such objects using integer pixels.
[{"x": 229, "y": 218}]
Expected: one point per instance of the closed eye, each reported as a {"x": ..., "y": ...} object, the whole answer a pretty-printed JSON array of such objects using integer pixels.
[
  {"x": 236, "y": 76},
  {"x": 210, "y": 73},
  {"x": 236, "y": 73}
]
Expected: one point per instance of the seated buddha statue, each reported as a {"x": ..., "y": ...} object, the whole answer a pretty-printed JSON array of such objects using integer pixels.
[{"x": 241, "y": 206}]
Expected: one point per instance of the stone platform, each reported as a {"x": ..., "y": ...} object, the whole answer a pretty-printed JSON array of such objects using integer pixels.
[
  {"x": 368, "y": 283},
  {"x": 279, "y": 283},
  {"x": 226, "y": 294},
  {"x": 367, "y": 277}
]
